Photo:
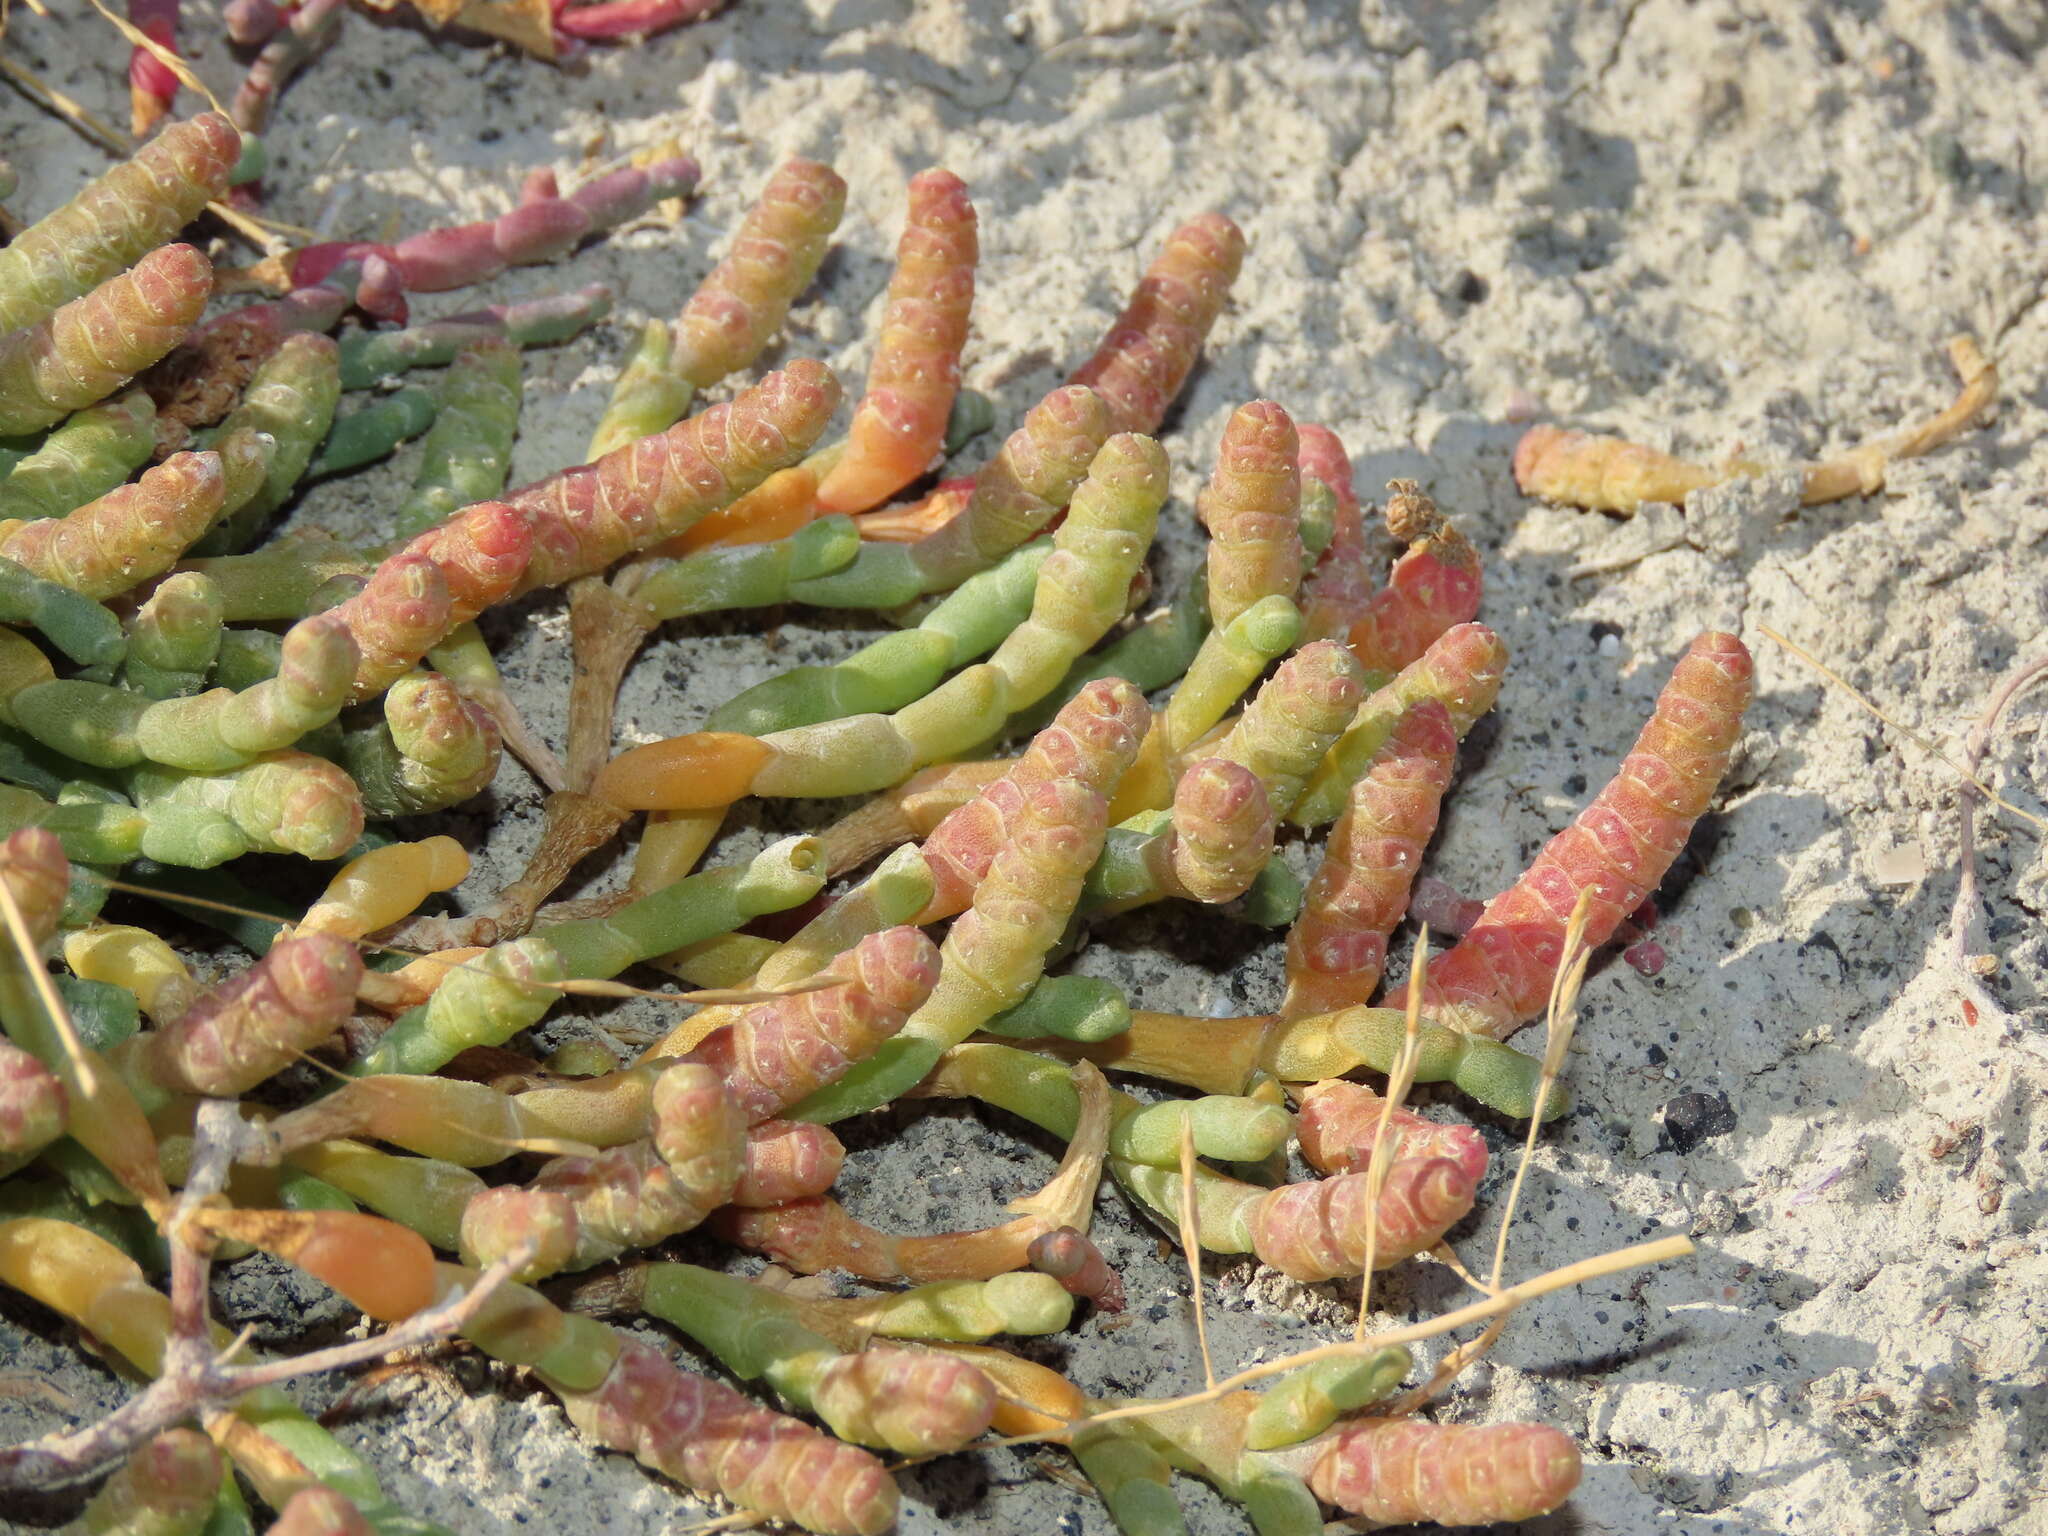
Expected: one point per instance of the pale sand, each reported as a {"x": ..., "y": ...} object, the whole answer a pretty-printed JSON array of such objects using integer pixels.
[{"x": 1702, "y": 225}]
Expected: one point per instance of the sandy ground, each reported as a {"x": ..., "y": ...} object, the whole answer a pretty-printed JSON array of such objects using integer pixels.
[{"x": 1703, "y": 225}]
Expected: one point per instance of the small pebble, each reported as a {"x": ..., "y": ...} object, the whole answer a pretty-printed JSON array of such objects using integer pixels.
[
  {"x": 1898, "y": 864},
  {"x": 1440, "y": 905},
  {"x": 1646, "y": 958},
  {"x": 1692, "y": 1118}
]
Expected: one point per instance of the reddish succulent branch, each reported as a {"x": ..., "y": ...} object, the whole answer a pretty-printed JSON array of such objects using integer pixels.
[
  {"x": 95, "y": 344},
  {"x": 1070, "y": 1258},
  {"x": 1338, "y": 945},
  {"x": 785, "y": 1049},
  {"x": 708, "y": 1437},
  {"x": 1151, "y": 348},
  {"x": 306, "y": 30},
  {"x": 608, "y": 20},
  {"x": 152, "y": 84},
  {"x": 746, "y": 297},
  {"x": 1339, "y": 1121},
  {"x": 244, "y": 1030},
  {"x": 1336, "y": 592},
  {"x": 1092, "y": 739},
  {"x": 1499, "y": 975},
  {"x": 1433, "y": 587},
  {"x": 1403, "y": 1471},
  {"x": 540, "y": 229},
  {"x": 1252, "y": 509},
  {"x": 899, "y": 428},
  {"x": 654, "y": 489},
  {"x": 1325, "y": 1227}
]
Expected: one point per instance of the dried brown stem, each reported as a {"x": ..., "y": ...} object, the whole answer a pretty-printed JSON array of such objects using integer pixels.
[
  {"x": 606, "y": 632},
  {"x": 575, "y": 826},
  {"x": 520, "y": 738},
  {"x": 1974, "y": 748},
  {"x": 1598, "y": 1267},
  {"x": 195, "y": 1376},
  {"x": 1861, "y": 471}
]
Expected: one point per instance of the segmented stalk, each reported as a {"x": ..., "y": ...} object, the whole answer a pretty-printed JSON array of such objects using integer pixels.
[
  {"x": 1338, "y": 946},
  {"x": 117, "y": 220},
  {"x": 1434, "y": 586},
  {"x": 126, "y": 537},
  {"x": 1337, "y": 589},
  {"x": 774, "y": 254},
  {"x": 1035, "y": 473},
  {"x": 1340, "y": 1120},
  {"x": 1403, "y": 1471},
  {"x": 653, "y": 489},
  {"x": 1499, "y": 975},
  {"x": 246, "y": 1029},
  {"x": 1252, "y": 509},
  {"x": 1146, "y": 356},
  {"x": 81, "y": 460},
  {"x": 468, "y": 451},
  {"x": 899, "y": 427},
  {"x": 99, "y": 341},
  {"x": 292, "y": 399},
  {"x": 1092, "y": 740},
  {"x": 780, "y": 1051}
]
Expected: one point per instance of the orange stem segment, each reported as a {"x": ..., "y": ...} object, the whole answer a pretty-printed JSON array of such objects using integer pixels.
[{"x": 698, "y": 772}]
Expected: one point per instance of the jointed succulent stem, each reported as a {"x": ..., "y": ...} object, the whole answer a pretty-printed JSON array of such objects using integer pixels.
[{"x": 153, "y": 726}]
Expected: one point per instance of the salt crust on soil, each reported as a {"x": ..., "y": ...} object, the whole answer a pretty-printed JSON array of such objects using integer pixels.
[{"x": 1701, "y": 225}]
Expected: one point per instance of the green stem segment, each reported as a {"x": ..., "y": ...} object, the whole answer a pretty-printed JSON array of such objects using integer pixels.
[
  {"x": 1149, "y": 655},
  {"x": 368, "y": 356},
  {"x": 82, "y": 459},
  {"x": 1083, "y": 1008},
  {"x": 899, "y": 668},
  {"x": 1230, "y": 660},
  {"x": 742, "y": 575},
  {"x": 915, "y": 1403},
  {"x": 79, "y": 627},
  {"x": 292, "y": 400},
  {"x": 467, "y": 454},
  {"x": 755, "y": 1333},
  {"x": 1079, "y": 594},
  {"x": 649, "y": 396},
  {"x": 514, "y": 985},
  {"x": 374, "y": 432}
]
